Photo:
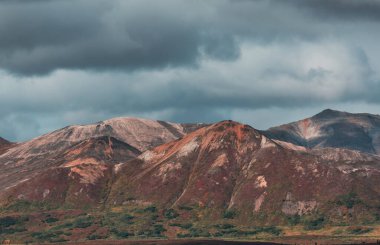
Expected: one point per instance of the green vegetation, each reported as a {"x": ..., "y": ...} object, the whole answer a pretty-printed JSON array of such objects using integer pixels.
[
  {"x": 187, "y": 208},
  {"x": 23, "y": 206},
  {"x": 229, "y": 214},
  {"x": 83, "y": 222},
  {"x": 183, "y": 226},
  {"x": 121, "y": 234},
  {"x": 171, "y": 214},
  {"x": 233, "y": 231},
  {"x": 224, "y": 226},
  {"x": 349, "y": 200},
  {"x": 51, "y": 220},
  {"x": 194, "y": 232},
  {"x": 8, "y": 221},
  {"x": 96, "y": 236},
  {"x": 155, "y": 231},
  {"x": 294, "y": 220},
  {"x": 359, "y": 230},
  {"x": 127, "y": 218},
  {"x": 135, "y": 222},
  {"x": 151, "y": 209},
  {"x": 12, "y": 230},
  {"x": 50, "y": 236},
  {"x": 314, "y": 223},
  {"x": 11, "y": 225}
]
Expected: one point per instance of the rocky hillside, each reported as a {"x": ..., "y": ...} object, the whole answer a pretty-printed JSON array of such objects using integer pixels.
[
  {"x": 221, "y": 180},
  {"x": 110, "y": 142},
  {"x": 4, "y": 145},
  {"x": 233, "y": 167},
  {"x": 333, "y": 129}
]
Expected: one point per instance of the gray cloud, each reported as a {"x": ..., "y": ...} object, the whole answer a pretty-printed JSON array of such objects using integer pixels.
[
  {"x": 38, "y": 37},
  {"x": 65, "y": 62},
  {"x": 342, "y": 9}
]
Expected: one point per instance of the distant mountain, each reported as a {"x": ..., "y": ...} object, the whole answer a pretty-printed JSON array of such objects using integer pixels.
[
  {"x": 111, "y": 142},
  {"x": 332, "y": 129},
  {"x": 137, "y": 178},
  {"x": 233, "y": 167},
  {"x": 4, "y": 145}
]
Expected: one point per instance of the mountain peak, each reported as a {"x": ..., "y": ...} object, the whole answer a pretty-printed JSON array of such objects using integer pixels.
[
  {"x": 329, "y": 113},
  {"x": 4, "y": 145},
  {"x": 4, "y": 141},
  {"x": 331, "y": 128}
]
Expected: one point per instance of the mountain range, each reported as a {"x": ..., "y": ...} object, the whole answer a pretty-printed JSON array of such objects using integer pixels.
[{"x": 194, "y": 180}]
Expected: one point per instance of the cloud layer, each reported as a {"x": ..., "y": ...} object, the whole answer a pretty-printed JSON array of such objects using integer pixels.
[{"x": 67, "y": 62}]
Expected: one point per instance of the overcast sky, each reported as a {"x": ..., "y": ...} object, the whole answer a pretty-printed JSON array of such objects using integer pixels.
[{"x": 260, "y": 62}]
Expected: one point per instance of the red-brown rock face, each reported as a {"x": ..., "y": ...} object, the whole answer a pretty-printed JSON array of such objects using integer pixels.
[
  {"x": 76, "y": 164},
  {"x": 79, "y": 176},
  {"x": 5, "y": 145},
  {"x": 333, "y": 129},
  {"x": 233, "y": 166}
]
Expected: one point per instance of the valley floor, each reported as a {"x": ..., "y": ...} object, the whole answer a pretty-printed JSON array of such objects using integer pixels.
[{"x": 136, "y": 224}]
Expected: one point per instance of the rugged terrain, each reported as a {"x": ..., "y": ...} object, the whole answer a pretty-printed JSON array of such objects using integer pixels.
[
  {"x": 137, "y": 178},
  {"x": 333, "y": 129},
  {"x": 5, "y": 145},
  {"x": 58, "y": 165},
  {"x": 231, "y": 167}
]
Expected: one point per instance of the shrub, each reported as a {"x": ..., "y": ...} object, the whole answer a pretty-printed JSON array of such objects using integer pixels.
[
  {"x": 51, "y": 220},
  {"x": 171, "y": 214},
  {"x": 12, "y": 230},
  {"x": 123, "y": 234},
  {"x": 183, "y": 226},
  {"x": 82, "y": 223},
  {"x": 229, "y": 214},
  {"x": 349, "y": 200},
  {"x": 224, "y": 226},
  {"x": 47, "y": 235},
  {"x": 314, "y": 224},
  {"x": 271, "y": 229},
  {"x": 95, "y": 237},
  {"x": 127, "y": 218},
  {"x": 194, "y": 232},
  {"x": 158, "y": 229},
  {"x": 294, "y": 220},
  {"x": 359, "y": 230},
  {"x": 8, "y": 221},
  {"x": 152, "y": 209},
  {"x": 187, "y": 208}
]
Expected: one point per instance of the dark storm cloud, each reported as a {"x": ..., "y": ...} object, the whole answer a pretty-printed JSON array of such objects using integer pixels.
[
  {"x": 342, "y": 9},
  {"x": 37, "y": 37},
  {"x": 65, "y": 62}
]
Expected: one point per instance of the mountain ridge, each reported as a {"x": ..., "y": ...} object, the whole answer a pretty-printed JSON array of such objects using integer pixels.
[
  {"x": 157, "y": 178},
  {"x": 329, "y": 128},
  {"x": 48, "y": 150}
]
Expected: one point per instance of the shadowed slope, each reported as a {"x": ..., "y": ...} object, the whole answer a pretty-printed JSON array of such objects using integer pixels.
[
  {"x": 5, "y": 145},
  {"x": 333, "y": 129}
]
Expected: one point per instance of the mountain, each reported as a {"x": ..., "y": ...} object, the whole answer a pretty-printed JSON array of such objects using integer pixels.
[
  {"x": 93, "y": 148},
  {"x": 332, "y": 129},
  {"x": 4, "y": 145},
  {"x": 231, "y": 167},
  {"x": 78, "y": 176},
  {"x": 115, "y": 179}
]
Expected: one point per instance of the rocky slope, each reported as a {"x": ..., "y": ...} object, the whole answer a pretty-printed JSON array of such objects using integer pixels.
[
  {"x": 222, "y": 180},
  {"x": 230, "y": 166},
  {"x": 333, "y": 129},
  {"x": 79, "y": 176},
  {"x": 5, "y": 145},
  {"x": 80, "y": 154}
]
